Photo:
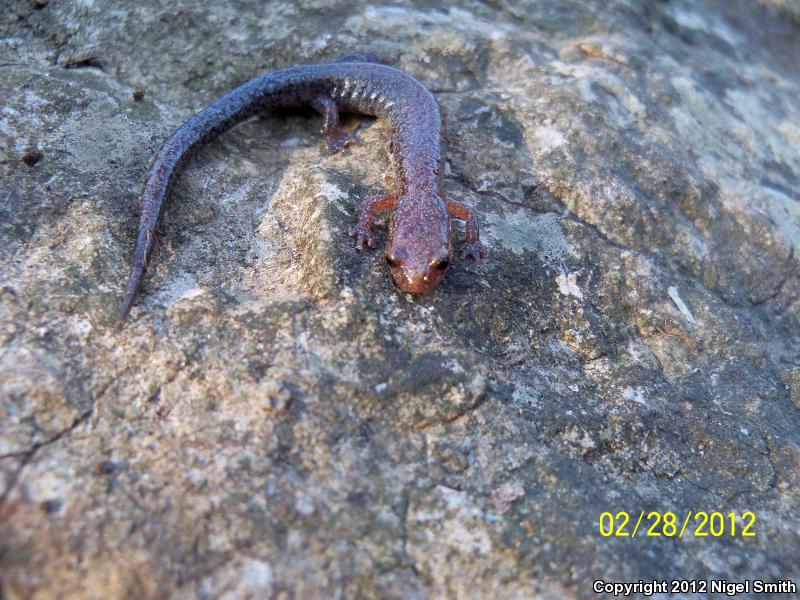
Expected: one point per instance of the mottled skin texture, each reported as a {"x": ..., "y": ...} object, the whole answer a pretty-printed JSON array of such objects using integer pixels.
[{"x": 418, "y": 251}]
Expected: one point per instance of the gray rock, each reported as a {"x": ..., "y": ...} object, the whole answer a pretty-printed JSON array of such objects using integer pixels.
[{"x": 278, "y": 420}]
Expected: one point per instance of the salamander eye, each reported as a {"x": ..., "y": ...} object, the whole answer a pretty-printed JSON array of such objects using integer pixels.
[
  {"x": 392, "y": 261},
  {"x": 441, "y": 264}
]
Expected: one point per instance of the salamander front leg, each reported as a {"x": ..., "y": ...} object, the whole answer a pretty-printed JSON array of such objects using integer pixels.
[
  {"x": 362, "y": 231},
  {"x": 472, "y": 248},
  {"x": 337, "y": 139}
]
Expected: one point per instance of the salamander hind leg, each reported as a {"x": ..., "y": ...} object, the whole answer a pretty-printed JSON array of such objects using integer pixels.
[
  {"x": 362, "y": 230},
  {"x": 336, "y": 137},
  {"x": 472, "y": 248}
]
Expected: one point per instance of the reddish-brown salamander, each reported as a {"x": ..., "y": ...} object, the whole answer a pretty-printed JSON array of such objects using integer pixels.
[{"x": 418, "y": 251}]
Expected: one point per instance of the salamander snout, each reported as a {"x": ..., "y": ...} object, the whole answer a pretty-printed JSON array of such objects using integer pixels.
[{"x": 418, "y": 273}]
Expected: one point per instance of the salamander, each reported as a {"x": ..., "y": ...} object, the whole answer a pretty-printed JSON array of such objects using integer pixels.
[{"x": 419, "y": 250}]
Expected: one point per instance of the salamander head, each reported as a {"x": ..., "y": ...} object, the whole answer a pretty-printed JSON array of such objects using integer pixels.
[{"x": 419, "y": 251}]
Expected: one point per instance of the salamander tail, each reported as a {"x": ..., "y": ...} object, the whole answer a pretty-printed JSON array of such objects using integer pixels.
[
  {"x": 130, "y": 295},
  {"x": 141, "y": 250}
]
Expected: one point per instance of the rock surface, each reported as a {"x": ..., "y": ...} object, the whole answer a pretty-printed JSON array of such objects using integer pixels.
[{"x": 277, "y": 420}]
